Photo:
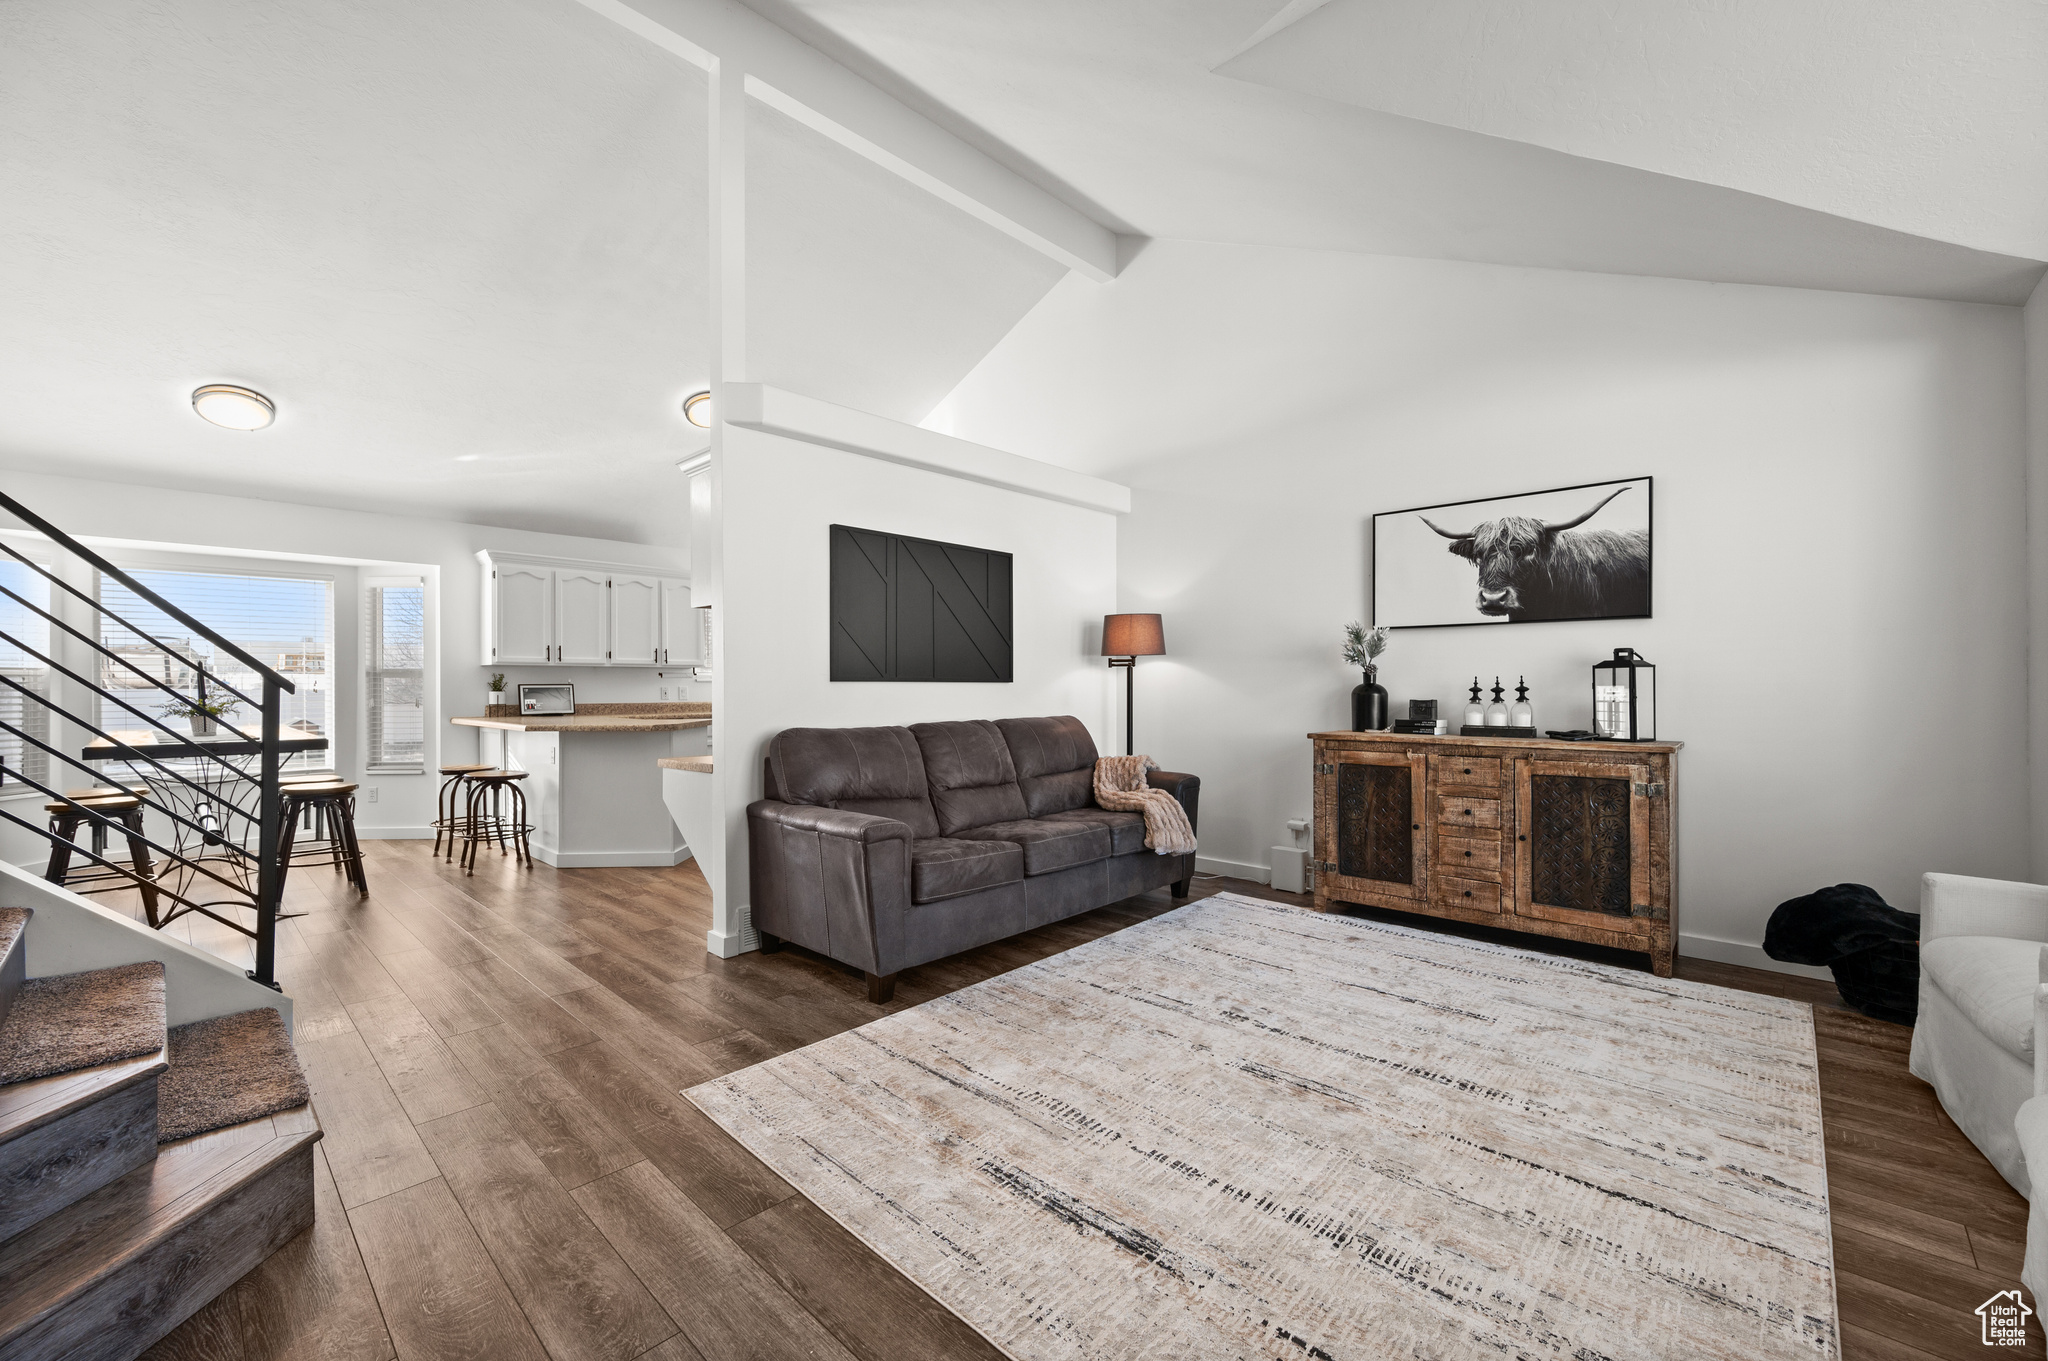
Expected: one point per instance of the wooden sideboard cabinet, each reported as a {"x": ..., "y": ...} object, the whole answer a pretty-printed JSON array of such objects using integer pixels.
[{"x": 1567, "y": 839}]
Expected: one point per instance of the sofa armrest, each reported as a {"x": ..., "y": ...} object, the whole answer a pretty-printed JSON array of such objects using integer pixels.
[
  {"x": 830, "y": 880},
  {"x": 806, "y": 817},
  {"x": 1186, "y": 788},
  {"x": 1959, "y": 905},
  {"x": 2041, "y": 1028}
]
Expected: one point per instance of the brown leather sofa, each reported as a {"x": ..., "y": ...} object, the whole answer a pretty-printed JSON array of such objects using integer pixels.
[{"x": 885, "y": 848}]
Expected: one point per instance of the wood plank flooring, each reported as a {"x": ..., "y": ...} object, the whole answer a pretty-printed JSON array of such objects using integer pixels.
[{"x": 508, "y": 1171}]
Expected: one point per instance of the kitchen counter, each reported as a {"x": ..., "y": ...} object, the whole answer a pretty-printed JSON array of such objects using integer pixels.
[
  {"x": 594, "y": 791},
  {"x": 700, "y": 764},
  {"x": 584, "y": 723},
  {"x": 673, "y": 717}
]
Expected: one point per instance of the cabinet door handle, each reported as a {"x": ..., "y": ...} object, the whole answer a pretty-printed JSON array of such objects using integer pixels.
[
  {"x": 1468, "y": 855},
  {"x": 1468, "y": 770},
  {"x": 1468, "y": 893},
  {"x": 1416, "y": 825},
  {"x": 1466, "y": 811},
  {"x": 1521, "y": 838}
]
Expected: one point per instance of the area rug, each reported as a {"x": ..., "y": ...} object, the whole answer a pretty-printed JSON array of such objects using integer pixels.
[{"x": 1244, "y": 1129}]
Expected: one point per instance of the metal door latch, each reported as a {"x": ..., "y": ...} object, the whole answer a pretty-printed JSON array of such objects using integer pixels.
[
  {"x": 1659, "y": 914},
  {"x": 1323, "y": 768},
  {"x": 1648, "y": 791}
]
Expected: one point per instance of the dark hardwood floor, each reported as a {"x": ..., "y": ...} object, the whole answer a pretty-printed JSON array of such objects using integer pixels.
[{"x": 508, "y": 1171}]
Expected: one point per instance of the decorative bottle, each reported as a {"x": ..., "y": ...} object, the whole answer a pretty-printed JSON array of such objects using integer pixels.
[
  {"x": 1521, "y": 715},
  {"x": 1369, "y": 703},
  {"x": 1475, "y": 712},
  {"x": 1497, "y": 712}
]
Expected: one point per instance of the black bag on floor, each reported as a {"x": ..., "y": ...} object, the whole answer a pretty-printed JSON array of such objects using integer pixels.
[{"x": 1872, "y": 948}]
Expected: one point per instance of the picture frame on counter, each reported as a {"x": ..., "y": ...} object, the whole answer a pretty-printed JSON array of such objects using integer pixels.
[{"x": 546, "y": 699}]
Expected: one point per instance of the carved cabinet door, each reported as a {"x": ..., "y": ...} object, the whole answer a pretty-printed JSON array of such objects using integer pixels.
[
  {"x": 1582, "y": 845},
  {"x": 1369, "y": 837}
]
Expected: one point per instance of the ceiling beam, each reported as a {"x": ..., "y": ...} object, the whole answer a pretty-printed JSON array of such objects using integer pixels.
[{"x": 796, "y": 79}]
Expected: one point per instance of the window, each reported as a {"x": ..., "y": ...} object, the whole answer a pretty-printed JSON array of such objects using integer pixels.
[
  {"x": 394, "y": 674},
  {"x": 287, "y": 623},
  {"x": 23, "y": 635}
]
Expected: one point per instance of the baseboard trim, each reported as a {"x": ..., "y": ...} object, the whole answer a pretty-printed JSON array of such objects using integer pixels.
[
  {"x": 1739, "y": 952},
  {"x": 1234, "y": 869},
  {"x": 601, "y": 860},
  {"x": 742, "y": 939}
]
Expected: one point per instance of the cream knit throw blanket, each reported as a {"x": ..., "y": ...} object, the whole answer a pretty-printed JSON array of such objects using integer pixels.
[{"x": 1120, "y": 786}]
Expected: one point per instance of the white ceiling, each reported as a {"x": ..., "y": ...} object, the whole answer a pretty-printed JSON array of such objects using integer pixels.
[
  {"x": 1115, "y": 105},
  {"x": 1926, "y": 118},
  {"x": 461, "y": 243}
]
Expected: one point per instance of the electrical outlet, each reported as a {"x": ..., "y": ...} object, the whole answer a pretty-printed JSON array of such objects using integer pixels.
[
  {"x": 664, "y": 694},
  {"x": 370, "y": 794}
]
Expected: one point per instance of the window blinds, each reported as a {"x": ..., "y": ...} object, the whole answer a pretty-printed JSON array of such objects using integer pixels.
[
  {"x": 19, "y": 665},
  {"x": 394, "y": 653},
  {"x": 286, "y": 623}
]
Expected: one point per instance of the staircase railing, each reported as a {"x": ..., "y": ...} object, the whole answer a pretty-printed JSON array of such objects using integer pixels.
[{"x": 202, "y": 788}]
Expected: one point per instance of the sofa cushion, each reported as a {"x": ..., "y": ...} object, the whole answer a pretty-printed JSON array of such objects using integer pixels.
[
  {"x": 1991, "y": 980},
  {"x": 1055, "y": 761},
  {"x": 943, "y": 867},
  {"x": 973, "y": 781},
  {"x": 863, "y": 770},
  {"x": 1126, "y": 830},
  {"x": 1049, "y": 844}
]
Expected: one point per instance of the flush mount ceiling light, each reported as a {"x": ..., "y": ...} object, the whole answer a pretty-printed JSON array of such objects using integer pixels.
[
  {"x": 233, "y": 407},
  {"x": 697, "y": 409}
]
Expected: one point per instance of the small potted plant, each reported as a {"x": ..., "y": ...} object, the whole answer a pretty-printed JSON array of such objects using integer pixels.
[
  {"x": 497, "y": 692},
  {"x": 1362, "y": 647},
  {"x": 204, "y": 714}
]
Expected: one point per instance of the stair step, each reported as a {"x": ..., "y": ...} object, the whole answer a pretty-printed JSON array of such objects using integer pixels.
[
  {"x": 226, "y": 1070},
  {"x": 64, "y": 1136},
  {"x": 104, "y": 1278},
  {"x": 13, "y": 955},
  {"x": 81, "y": 1020}
]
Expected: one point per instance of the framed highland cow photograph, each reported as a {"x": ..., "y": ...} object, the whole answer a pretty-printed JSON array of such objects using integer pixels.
[{"x": 1569, "y": 553}]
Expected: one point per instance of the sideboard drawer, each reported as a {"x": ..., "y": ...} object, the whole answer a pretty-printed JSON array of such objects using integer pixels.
[
  {"x": 1454, "y": 810},
  {"x": 1468, "y": 895},
  {"x": 1456, "y": 853},
  {"x": 1466, "y": 772}
]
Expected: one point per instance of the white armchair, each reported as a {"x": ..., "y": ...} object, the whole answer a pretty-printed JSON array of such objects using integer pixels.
[{"x": 1981, "y": 1038}]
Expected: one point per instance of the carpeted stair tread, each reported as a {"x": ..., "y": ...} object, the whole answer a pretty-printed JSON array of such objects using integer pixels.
[
  {"x": 227, "y": 1070},
  {"x": 13, "y": 956},
  {"x": 13, "y": 920},
  {"x": 80, "y": 1020}
]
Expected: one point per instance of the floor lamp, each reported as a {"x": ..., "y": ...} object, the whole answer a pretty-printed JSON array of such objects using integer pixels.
[{"x": 1125, "y": 638}]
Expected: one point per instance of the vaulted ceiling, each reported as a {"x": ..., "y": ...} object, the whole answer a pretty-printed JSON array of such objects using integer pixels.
[{"x": 462, "y": 242}]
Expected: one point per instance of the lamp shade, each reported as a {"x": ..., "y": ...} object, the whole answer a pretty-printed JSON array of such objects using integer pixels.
[{"x": 1132, "y": 635}]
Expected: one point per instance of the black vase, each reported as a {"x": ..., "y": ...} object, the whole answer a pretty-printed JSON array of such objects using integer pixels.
[{"x": 1369, "y": 705}]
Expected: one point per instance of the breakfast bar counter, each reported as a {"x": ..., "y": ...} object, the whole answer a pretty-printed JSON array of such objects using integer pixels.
[{"x": 593, "y": 788}]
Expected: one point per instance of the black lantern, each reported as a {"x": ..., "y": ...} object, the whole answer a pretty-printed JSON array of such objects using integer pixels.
[{"x": 1625, "y": 698}]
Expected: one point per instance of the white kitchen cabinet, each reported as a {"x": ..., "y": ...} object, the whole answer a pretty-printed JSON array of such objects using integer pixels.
[
  {"x": 679, "y": 645},
  {"x": 636, "y": 620},
  {"x": 582, "y": 630},
  {"x": 521, "y": 612},
  {"x": 553, "y": 613}
]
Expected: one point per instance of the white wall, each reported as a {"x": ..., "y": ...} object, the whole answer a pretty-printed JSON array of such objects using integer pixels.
[
  {"x": 332, "y": 542},
  {"x": 1841, "y": 614},
  {"x": 779, "y": 495},
  {"x": 2035, "y": 323}
]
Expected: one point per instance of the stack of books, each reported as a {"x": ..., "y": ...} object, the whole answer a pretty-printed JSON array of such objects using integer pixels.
[{"x": 1426, "y": 727}]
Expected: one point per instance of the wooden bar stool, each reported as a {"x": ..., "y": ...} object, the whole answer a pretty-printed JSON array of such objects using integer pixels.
[
  {"x": 451, "y": 805},
  {"x": 496, "y": 816},
  {"x": 124, "y": 808},
  {"x": 330, "y": 806}
]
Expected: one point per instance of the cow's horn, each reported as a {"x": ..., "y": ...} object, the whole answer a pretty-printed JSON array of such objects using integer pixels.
[
  {"x": 1441, "y": 530},
  {"x": 1550, "y": 528}
]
